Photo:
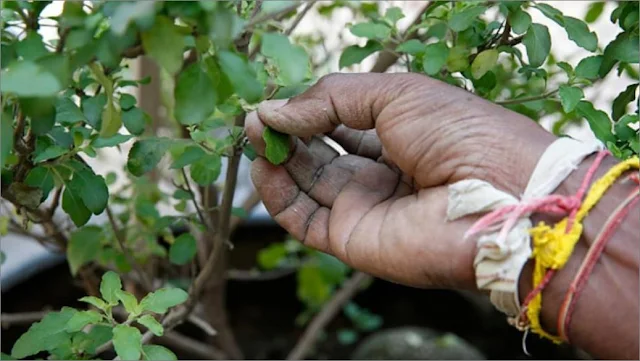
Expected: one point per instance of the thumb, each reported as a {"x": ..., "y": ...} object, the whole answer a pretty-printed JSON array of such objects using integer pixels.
[{"x": 354, "y": 100}]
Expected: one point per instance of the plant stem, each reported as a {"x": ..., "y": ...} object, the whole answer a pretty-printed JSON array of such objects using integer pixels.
[
  {"x": 299, "y": 17},
  {"x": 527, "y": 99},
  {"x": 193, "y": 198},
  {"x": 328, "y": 312},
  {"x": 276, "y": 15}
]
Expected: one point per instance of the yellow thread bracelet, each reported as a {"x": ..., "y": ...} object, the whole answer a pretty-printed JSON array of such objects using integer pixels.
[{"x": 552, "y": 247}]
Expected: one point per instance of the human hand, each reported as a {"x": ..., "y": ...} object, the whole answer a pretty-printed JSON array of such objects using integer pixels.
[{"x": 381, "y": 208}]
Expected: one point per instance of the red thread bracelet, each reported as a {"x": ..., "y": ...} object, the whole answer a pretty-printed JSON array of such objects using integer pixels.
[{"x": 590, "y": 260}]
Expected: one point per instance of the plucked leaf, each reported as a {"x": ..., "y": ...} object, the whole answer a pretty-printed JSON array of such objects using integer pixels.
[
  {"x": 277, "y": 145},
  {"x": 163, "y": 299},
  {"x": 355, "y": 54},
  {"x": 109, "y": 286},
  {"x": 195, "y": 96},
  {"x": 165, "y": 44},
  {"x": 183, "y": 249},
  {"x": 154, "y": 326},
  {"x": 537, "y": 41},
  {"x": 569, "y": 97},
  {"x": 84, "y": 246},
  {"x": 158, "y": 353},
  {"x": 127, "y": 341}
]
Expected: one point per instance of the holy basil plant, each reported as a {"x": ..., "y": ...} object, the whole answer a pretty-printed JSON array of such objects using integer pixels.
[{"x": 160, "y": 225}]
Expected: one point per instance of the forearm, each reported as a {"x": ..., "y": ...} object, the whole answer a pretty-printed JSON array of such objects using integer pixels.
[{"x": 605, "y": 318}]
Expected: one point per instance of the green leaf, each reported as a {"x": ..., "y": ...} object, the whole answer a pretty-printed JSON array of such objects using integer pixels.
[
  {"x": 413, "y": 46},
  {"x": 272, "y": 256},
  {"x": 371, "y": 31},
  {"x": 191, "y": 154},
  {"x": 149, "y": 322},
  {"x": 110, "y": 286},
  {"x": 92, "y": 108},
  {"x": 127, "y": 101},
  {"x": 129, "y": 301},
  {"x": 45, "y": 335},
  {"x": 165, "y": 44},
  {"x": 277, "y": 145},
  {"x": 183, "y": 249},
  {"x": 158, "y": 353},
  {"x": 435, "y": 57},
  {"x": 82, "y": 319},
  {"x": 355, "y": 54},
  {"x": 462, "y": 21},
  {"x": 67, "y": 112},
  {"x": 95, "y": 301},
  {"x": 6, "y": 138},
  {"x": 537, "y": 41},
  {"x": 206, "y": 170},
  {"x": 93, "y": 188},
  {"x": 163, "y": 299},
  {"x": 241, "y": 76},
  {"x": 26, "y": 79},
  {"x": 579, "y": 32},
  {"x": 111, "y": 141},
  {"x": 588, "y": 67},
  {"x": 51, "y": 152},
  {"x": 135, "y": 120},
  {"x": 393, "y": 14},
  {"x": 182, "y": 194},
  {"x": 569, "y": 97},
  {"x": 594, "y": 11},
  {"x": 520, "y": 21},
  {"x": 127, "y": 341},
  {"x": 89, "y": 342},
  {"x": 457, "y": 59},
  {"x": 292, "y": 60},
  {"x": 224, "y": 26},
  {"x": 145, "y": 155},
  {"x": 622, "y": 100},
  {"x": 41, "y": 111},
  {"x": 312, "y": 288},
  {"x": 84, "y": 246},
  {"x": 622, "y": 129},
  {"x": 111, "y": 120},
  {"x": 73, "y": 205},
  {"x": 625, "y": 49},
  {"x": 551, "y": 13},
  {"x": 347, "y": 337},
  {"x": 239, "y": 212},
  {"x": 195, "y": 96},
  {"x": 41, "y": 177},
  {"x": 31, "y": 47},
  {"x": 484, "y": 62},
  {"x": 598, "y": 121}
]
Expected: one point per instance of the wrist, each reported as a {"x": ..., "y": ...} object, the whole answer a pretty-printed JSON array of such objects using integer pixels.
[{"x": 593, "y": 312}]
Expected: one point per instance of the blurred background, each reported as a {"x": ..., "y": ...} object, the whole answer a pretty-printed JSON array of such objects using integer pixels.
[{"x": 263, "y": 311}]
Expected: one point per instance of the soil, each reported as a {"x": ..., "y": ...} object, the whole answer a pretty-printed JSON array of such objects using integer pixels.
[{"x": 262, "y": 313}]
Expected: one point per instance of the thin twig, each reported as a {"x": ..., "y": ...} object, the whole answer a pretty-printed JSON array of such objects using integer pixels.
[
  {"x": 243, "y": 275},
  {"x": 276, "y": 15},
  {"x": 193, "y": 198},
  {"x": 55, "y": 202},
  {"x": 175, "y": 340},
  {"x": 299, "y": 17},
  {"x": 202, "y": 324},
  {"x": 12, "y": 319},
  {"x": 146, "y": 283},
  {"x": 527, "y": 99},
  {"x": 328, "y": 312}
]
